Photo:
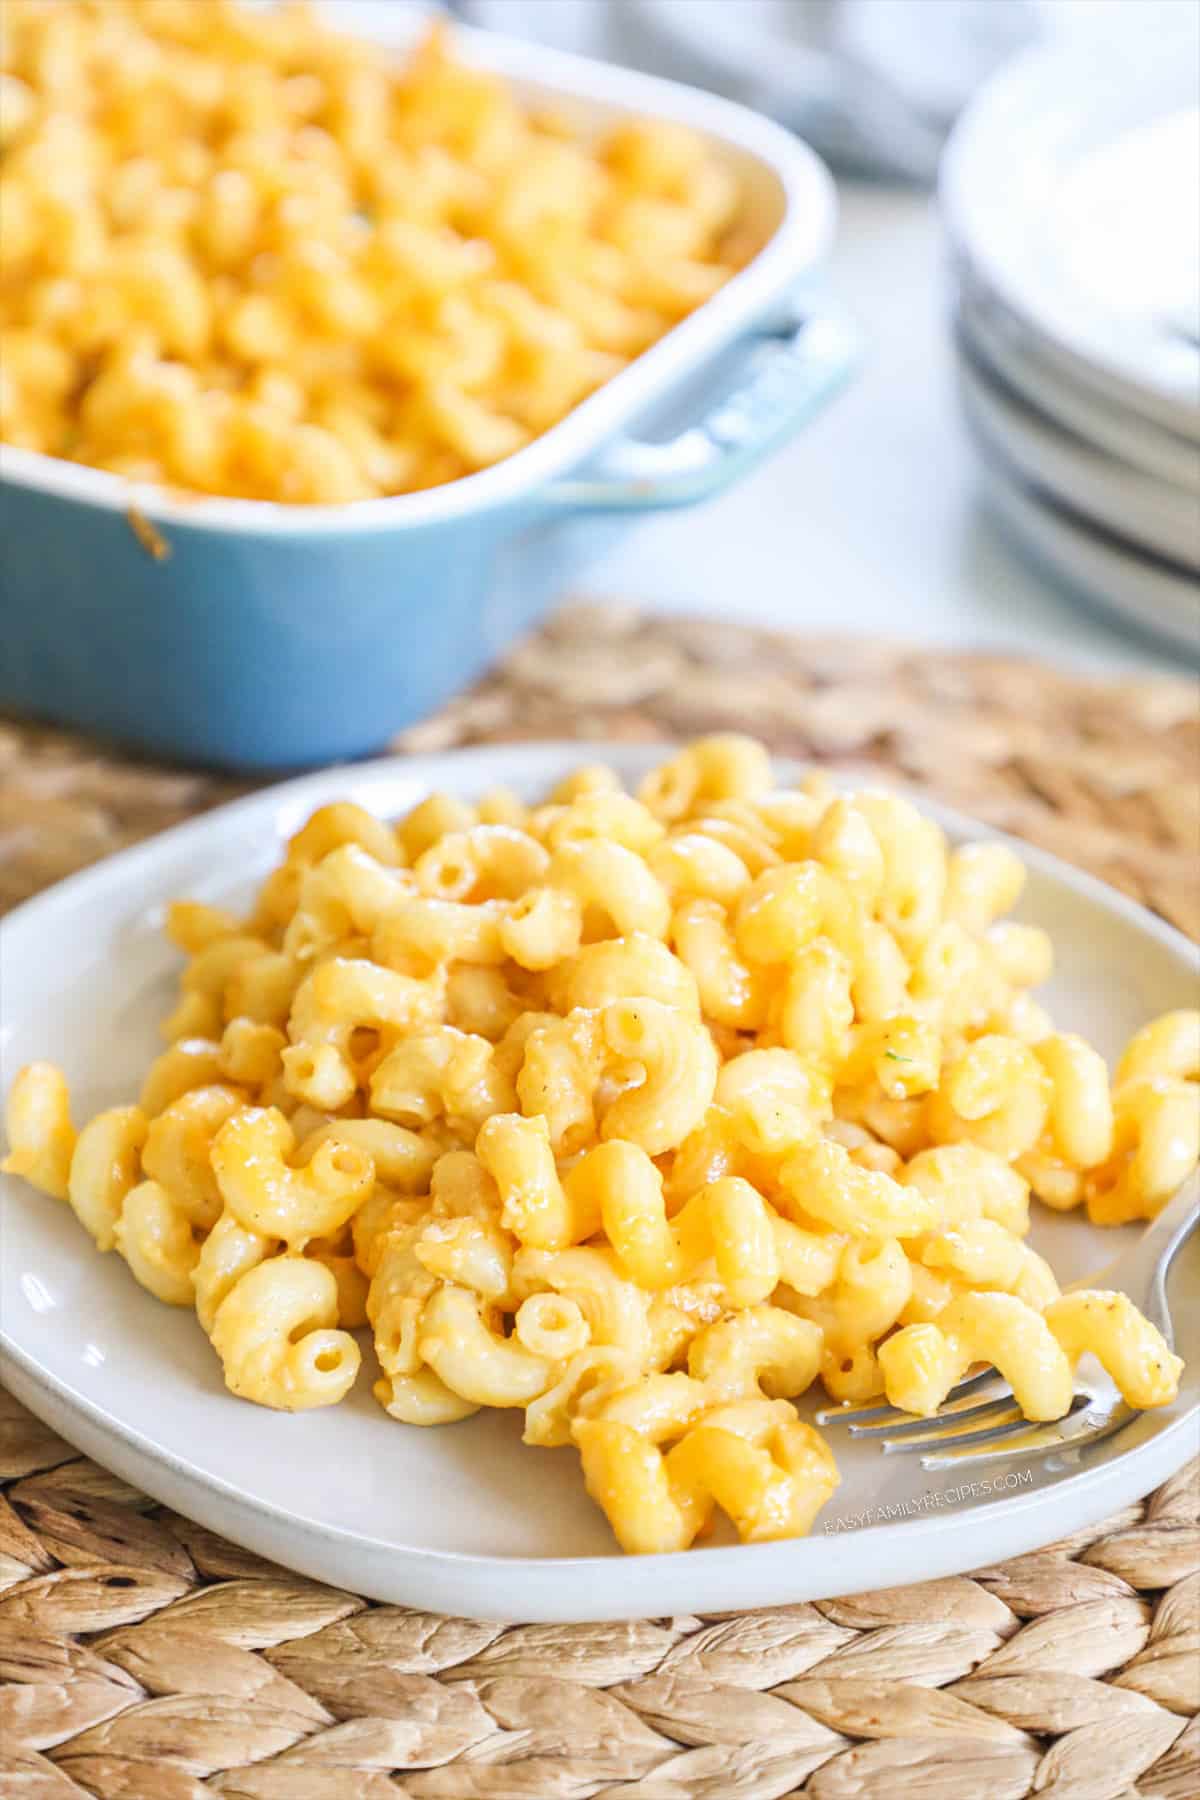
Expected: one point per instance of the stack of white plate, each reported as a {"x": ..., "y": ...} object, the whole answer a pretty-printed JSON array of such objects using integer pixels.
[{"x": 1071, "y": 194}]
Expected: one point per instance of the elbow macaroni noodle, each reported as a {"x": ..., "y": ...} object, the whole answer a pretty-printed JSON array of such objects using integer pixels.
[
  {"x": 244, "y": 254},
  {"x": 640, "y": 1115}
]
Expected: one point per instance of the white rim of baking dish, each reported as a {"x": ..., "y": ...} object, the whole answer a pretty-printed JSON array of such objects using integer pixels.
[{"x": 797, "y": 244}]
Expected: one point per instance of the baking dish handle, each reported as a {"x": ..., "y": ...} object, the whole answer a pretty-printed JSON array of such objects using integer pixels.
[{"x": 790, "y": 374}]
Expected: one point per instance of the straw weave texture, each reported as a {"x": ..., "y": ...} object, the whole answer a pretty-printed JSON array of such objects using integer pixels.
[{"x": 143, "y": 1658}]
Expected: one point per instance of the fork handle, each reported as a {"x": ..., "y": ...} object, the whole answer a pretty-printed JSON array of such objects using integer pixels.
[
  {"x": 1146, "y": 1266},
  {"x": 1167, "y": 1231}
]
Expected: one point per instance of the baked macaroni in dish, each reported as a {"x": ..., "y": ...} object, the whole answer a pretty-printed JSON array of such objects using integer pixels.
[
  {"x": 244, "y": 254},
  {"x": 640, "y": 1114}
]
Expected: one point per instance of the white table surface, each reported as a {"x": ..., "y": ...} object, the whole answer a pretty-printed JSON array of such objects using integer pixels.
[{"x": 872, "y": 520}]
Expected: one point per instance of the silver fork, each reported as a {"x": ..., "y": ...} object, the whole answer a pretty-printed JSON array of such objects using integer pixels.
[{"x": 979, "y": 1421}]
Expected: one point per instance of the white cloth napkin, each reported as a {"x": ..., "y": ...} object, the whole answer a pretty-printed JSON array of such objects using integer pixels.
[{"x": 872, "y": 83}]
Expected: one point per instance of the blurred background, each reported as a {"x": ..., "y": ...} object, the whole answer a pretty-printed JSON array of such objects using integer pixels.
[
  {"x": 1013, "y": 291},
  {"x": 1079, "y": 537}
]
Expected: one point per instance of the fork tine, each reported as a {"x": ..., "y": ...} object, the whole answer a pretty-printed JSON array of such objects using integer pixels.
[
  {"x": 946, "y": 1415},
  {"x": 987, "y": 1385},
  {"x": 943, "y": 1431},
  {"x": 1080, "y": 1428}
]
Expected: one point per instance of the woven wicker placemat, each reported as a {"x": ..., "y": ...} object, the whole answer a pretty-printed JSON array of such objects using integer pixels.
[{"x": 145, "y": 1659}]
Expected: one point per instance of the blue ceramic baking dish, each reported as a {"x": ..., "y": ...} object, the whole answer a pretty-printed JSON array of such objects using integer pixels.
[{"x": 253, "y": 636}]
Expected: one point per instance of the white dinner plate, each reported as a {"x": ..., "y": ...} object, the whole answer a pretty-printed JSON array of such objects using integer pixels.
[
  {"x": 465, "y": 1519},
  {"x": 1071, "y": 190},
  {"x": 1138, "y": 590},
  {"x": 1128, "y": 504},
  {"x": 1006, "y": 348}
]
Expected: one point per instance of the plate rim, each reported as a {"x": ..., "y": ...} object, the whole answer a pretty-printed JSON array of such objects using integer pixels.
[
  {"x": 1003, "y": 345},
  {"x": 1082, "y": 477},
  {"x": 738, "y": 1575},
  {"x": 1048, "y": 531}
]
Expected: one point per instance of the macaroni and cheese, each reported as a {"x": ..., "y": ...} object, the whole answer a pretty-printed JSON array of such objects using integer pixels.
[
  {"x": 244, "y": 254},
  {"x": 638, "y": 1114}
]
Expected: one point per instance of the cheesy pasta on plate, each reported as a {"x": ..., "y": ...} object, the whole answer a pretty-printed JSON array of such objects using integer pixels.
[
  {"x": 640, "y": 1114},
  {"x": 244, "y": 254}
]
